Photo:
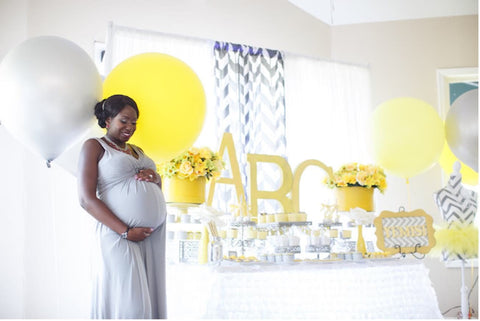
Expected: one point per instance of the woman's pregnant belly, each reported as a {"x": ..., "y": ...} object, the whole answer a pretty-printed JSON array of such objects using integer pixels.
[{"x": 136, "y": 203}]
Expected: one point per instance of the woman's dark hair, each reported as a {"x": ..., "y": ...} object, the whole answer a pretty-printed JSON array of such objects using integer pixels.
[{"x": 111, "y": 106}]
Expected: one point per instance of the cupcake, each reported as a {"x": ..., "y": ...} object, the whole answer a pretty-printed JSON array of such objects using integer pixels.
[
  {"x": 333, "y": 233},
  {"x": 281, "y": 217}
]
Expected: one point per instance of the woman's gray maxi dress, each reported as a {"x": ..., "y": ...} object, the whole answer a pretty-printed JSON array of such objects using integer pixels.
[{"x": 129, "y": 277}]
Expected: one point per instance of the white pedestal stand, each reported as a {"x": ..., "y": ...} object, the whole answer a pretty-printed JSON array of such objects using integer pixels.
[{"x": 464, "y": 294}]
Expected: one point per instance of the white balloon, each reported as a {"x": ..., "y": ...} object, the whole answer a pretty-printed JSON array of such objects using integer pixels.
[
  {"x": 49, "y": 87},
  {"x": 68, "y": 160},
  {"x": 461, "y": 128}
]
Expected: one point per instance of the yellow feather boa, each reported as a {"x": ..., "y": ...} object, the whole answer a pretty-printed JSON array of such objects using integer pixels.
[{"x": 461, "y": 239}]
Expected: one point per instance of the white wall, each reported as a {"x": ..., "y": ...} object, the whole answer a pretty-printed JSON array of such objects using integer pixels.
[
  {"x": 274, "y": 24},
  {"x": 13, "y": 15},
  {"x": 402, "y": 56},
  {"x": 12, "y": 200}
]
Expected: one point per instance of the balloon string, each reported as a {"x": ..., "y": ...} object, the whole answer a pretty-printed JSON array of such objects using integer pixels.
[
  {"x": 408, "y": 193},
  {"x": 54, "y": 238}
]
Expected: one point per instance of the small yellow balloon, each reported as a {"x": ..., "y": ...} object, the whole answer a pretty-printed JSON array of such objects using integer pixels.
[
  {"x": 408, "y": 136},
  {"x": 446, "y": 161},
  {"x": 170, "y": 98}
]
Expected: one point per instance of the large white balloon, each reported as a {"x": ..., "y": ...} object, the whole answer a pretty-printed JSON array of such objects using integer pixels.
[
  {"x": 461, "y": 128},
  {"x": 68, "y": 160},
  {"x": 49, "y": 87}
]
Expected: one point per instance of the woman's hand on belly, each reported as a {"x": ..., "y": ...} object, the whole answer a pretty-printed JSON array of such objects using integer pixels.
[
  {"x": 148, "y": 175},
  {"x": 138, "y": 234}
]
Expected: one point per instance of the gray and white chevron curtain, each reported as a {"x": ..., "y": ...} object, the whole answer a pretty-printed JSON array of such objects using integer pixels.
[{"x": 250, "y": 92}]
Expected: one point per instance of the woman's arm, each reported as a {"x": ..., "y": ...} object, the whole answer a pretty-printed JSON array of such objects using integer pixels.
[
  {"x": 90, "y": 154},
  {"x": 87, "y": 177}
]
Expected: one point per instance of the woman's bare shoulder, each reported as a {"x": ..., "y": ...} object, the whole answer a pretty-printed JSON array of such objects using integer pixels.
[
  {"x": 92, "y": 139},
  {"x": 92, "y": 145}
]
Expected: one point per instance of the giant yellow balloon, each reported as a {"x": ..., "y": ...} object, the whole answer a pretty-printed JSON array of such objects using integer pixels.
[
  {"x": 407, "y": 135},
  {"x": 446, "y": 161},
  {"x": 170, "y": 98}
]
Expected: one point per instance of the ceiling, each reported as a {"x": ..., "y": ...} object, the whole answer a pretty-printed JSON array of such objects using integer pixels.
[{"x": 344, "y": 12}]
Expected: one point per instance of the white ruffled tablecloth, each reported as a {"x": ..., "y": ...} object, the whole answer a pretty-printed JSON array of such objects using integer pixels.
[{"x": 381, "y": 289}]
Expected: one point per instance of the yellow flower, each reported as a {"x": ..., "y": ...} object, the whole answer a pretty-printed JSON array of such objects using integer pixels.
[
  {"x": 185, "y": 169},
  {"x": 171, "y": 170},
  {"x": 354, "y": 174},
  {"x": 349, "y": 178},
  {"x": 193, "y": 163},
  {"x": 200, "y": 170},
  {"x": 350, "y": 167},
  {"x": 205, "y": 153},
  {"x": 362, "y": 178}
]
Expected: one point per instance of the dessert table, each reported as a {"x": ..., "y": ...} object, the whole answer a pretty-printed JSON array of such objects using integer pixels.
[{"x": 365, "y": 289}]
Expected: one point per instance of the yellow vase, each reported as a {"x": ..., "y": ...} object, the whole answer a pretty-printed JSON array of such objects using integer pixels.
[
  {"x": 185, "y": 191},
  {"x": 354, "y": 196}
]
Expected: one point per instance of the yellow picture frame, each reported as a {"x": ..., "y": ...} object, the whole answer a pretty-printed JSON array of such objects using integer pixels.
[{"x": 405, "y": 232}]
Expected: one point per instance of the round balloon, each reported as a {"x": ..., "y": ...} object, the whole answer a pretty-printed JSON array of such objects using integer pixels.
[
  {"x": 170, "y": 98},
  {"x": 48, "y": 86},
  {"x": 407, "y": 136},
  {"x": 461, "y": 128},
  {"x": 446, "y": 161}
]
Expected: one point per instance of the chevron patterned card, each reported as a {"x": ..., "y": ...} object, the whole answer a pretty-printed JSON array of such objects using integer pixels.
[{"x": 404, "y": 232}]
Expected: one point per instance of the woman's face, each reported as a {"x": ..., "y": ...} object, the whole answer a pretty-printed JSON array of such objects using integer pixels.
[{"x": 122, "y": 126}]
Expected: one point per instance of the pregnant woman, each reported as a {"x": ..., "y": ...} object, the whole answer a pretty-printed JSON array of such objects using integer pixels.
[{"x": 118, "y": 185}]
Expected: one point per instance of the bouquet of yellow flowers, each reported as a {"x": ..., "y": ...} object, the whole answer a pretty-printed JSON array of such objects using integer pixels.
[
  {"x": 353, "y": 174},
  {"x": 193, "y": 163}
]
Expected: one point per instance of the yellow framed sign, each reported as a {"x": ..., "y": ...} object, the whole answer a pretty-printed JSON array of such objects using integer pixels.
[{"x": 406, "y": 232}]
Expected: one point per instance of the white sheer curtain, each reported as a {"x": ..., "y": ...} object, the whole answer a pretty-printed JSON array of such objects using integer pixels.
[
  {"x": 125, "y": 42},
  {"x": 328, "y": 106}
]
